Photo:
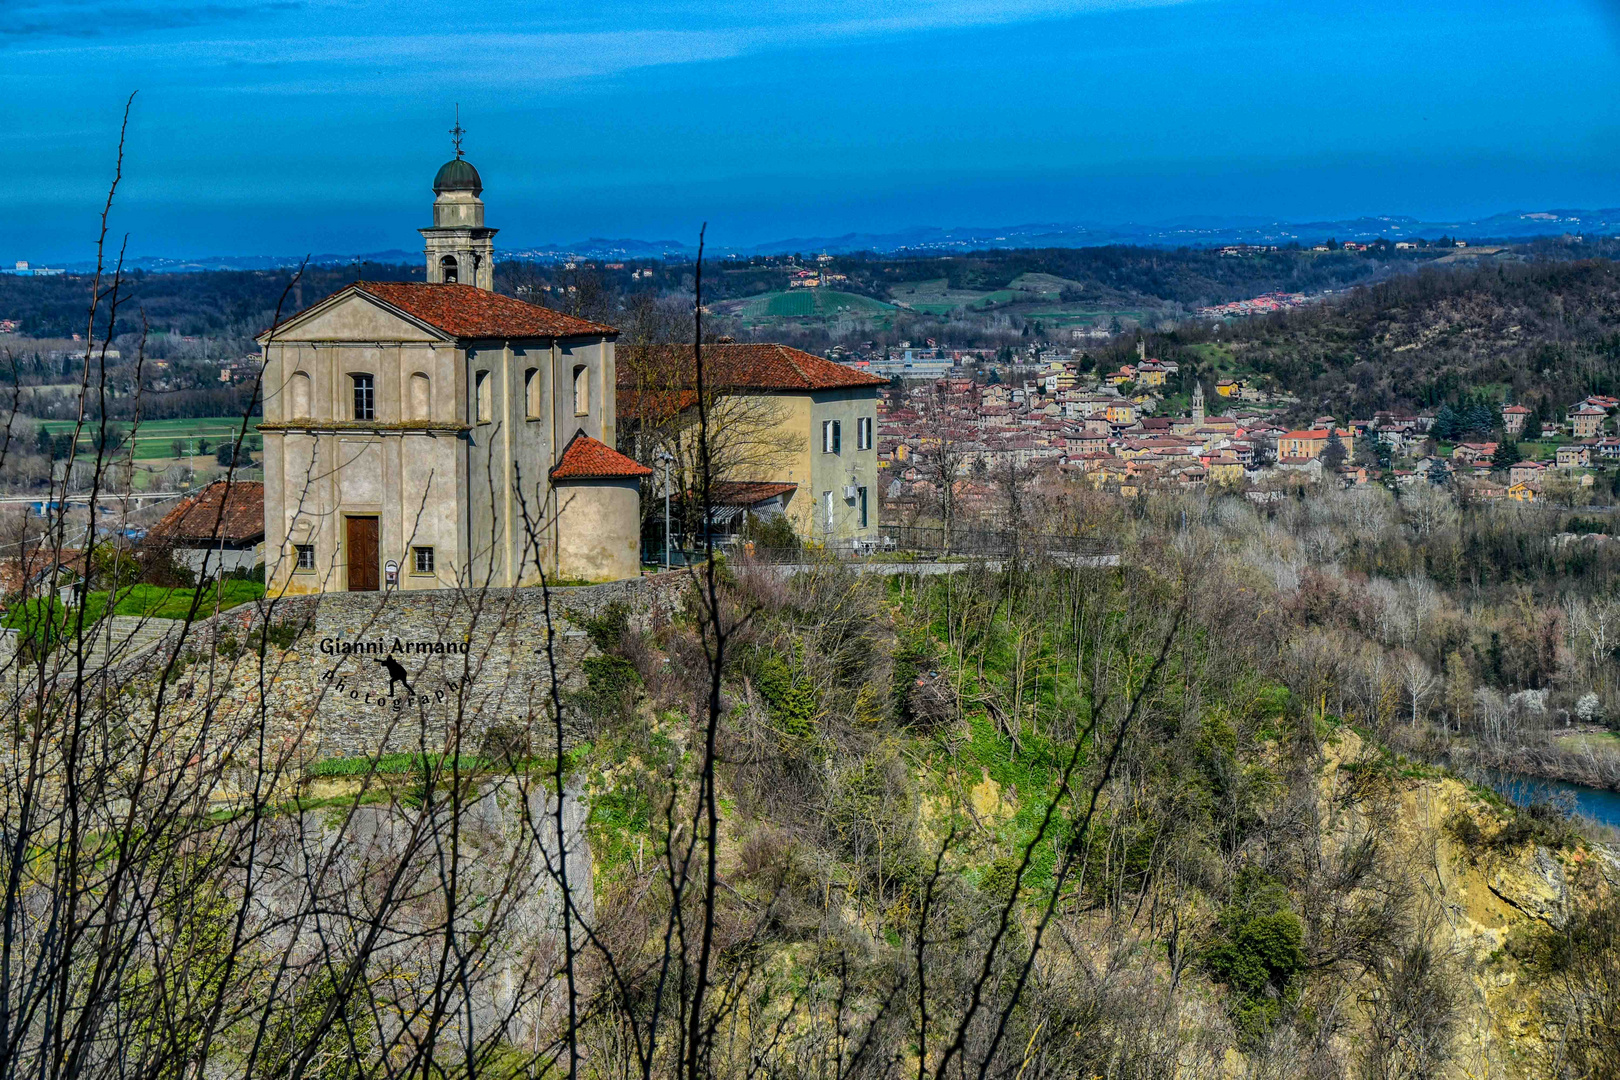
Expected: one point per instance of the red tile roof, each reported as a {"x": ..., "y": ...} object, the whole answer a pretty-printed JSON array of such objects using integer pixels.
[
  {"x": 35, "y": 564},
  {"x": 585, "y": 458},
  {"x": 466, "y": 311},
  {"x": 651, "y": 405},
  {"x": 746, "y": 492},
  {"x": 200, "y": 518},
  {"x": 739, "y": 366}
]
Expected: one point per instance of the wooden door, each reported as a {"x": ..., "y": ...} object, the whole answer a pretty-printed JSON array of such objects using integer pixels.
[{"x": 362, "y": 554}]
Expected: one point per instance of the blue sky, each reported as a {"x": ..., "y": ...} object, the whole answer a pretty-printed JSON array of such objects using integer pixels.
[{"x": 316, "y": 125}]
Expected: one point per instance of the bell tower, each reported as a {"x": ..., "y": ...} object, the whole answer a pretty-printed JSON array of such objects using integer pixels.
[{"x": 459, "y": 248}]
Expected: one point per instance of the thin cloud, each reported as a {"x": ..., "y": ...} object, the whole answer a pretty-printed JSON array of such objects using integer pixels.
[
  {"x": 85, "y": 19},
  {"x": 559, "y": 50}
]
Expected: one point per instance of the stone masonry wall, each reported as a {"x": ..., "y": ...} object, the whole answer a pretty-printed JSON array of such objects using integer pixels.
[{"x": 414, "y": 671}]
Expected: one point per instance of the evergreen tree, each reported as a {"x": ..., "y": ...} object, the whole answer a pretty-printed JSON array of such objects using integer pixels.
[
  {"x": 1367, "y": 451},
  {"x": 1507, "y": 454},
  {"x": 1333, "y": 453},
  {"x": 1532, "y": 424},
  {"x": 1445, "y": 424}
]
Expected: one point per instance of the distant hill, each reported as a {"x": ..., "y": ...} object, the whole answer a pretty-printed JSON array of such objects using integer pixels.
[
  {"x": 1204, "y": 231},
  {"x": 1535, "y": 331}
]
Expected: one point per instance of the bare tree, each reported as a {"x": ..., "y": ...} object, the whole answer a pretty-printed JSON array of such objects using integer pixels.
[{"x": 1416, "y": 679}]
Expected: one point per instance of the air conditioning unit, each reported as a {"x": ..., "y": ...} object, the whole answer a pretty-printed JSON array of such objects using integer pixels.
[{"x": 850, "y": 492}]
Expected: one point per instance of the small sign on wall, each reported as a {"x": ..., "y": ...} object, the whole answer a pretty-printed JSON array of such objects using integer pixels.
[{"x": 391, "y": 573}]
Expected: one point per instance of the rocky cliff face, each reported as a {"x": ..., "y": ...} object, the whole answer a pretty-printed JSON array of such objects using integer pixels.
[
  {"x": 1492, "y": 887},
  {"x": 481, "y": 876}
]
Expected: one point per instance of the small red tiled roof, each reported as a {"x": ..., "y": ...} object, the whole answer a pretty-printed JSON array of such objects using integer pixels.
[
  {"x": 17, "y": 572},
  {"x": 651, "y": 405},
  {"x": 585, "y": 458},
  {"x": 740, "y": 366},
  {"x": 1310, "y": 433},
  {"x": 466, "y": 311},
  {"x": 746, "y": 492},
  {"x": 201, "y": 518}
]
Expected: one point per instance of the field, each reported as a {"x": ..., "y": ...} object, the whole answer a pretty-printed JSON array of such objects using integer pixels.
[
  {"x": 809, "y": 304},
  {"x": 46, "y": 620},
  {"x": 1595, "y": 742},
  {"x": 936, "y": 297},
  {"x": 156, "y": 438}
]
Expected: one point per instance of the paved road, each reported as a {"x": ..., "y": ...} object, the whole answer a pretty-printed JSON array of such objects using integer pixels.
[{"x": 935, "y": 568}]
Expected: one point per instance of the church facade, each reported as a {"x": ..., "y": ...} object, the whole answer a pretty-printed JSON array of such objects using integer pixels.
[{"x": 424, "y": 435}]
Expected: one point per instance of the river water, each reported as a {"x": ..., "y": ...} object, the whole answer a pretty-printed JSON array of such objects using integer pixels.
[{"x": 1595, "y": 803}]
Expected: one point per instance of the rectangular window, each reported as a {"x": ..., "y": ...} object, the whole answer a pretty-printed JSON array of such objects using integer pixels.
[
  {"x": 423, "y": 560},
  {"x": 365, "y": 397},
  {"x": 484, "y": 396},
  {"x": 306, "y": 556},
  {"x": 863, "y": 433},
  {"x": 831, "y": 437},
  {"x": 827, "y": 500},
  {"x": 860, "y": 498}
]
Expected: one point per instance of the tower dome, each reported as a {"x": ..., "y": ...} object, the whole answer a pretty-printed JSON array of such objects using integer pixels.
[{"x": 457, "y": 174}]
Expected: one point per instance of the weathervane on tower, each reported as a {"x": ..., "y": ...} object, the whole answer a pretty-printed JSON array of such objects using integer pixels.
[{"x": 458, "y": 131}]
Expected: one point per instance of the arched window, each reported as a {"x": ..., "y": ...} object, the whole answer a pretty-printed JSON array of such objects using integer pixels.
[
  {"x": 532, "y": 396},
  {"x": 582, "y": 390},
  {"x": 448, "y": 270},
  {"x": 421, "y": 397},
  {"x": 298, "y": 395}
]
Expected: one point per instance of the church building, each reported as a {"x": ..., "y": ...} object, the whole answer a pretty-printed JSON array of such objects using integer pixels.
[{"x": 427, "y": 435}]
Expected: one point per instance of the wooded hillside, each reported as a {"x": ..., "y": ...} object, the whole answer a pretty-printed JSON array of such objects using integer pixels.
[{"x": 1539, "y": 331}]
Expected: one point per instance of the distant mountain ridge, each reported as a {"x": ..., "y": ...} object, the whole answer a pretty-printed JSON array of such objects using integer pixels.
[{"x": 1201, "y": 231}]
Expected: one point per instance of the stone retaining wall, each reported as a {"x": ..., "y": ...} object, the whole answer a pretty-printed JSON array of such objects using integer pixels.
[{"x": 409, "y": 671}]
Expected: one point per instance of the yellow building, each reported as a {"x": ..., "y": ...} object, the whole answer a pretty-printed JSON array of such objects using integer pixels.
[
  {"x": 778, "y": 415},
  {"x": 1586, "y": 420},
  {"x": 1121, "y": 412}
]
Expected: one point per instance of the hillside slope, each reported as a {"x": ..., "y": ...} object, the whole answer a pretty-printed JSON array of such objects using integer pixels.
[{"x": 1546, "y": 331}]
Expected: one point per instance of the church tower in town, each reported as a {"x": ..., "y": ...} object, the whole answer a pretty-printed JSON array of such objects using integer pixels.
[
  {"x": 1198, "y": 403},
  {"x": 460, "y": 250}
]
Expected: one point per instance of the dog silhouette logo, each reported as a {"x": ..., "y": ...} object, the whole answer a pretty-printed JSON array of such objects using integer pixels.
[{"x": 396, "y": 675}]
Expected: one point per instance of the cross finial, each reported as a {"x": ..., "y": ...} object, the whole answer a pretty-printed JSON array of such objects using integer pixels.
[{"x": 457, "y": 132}]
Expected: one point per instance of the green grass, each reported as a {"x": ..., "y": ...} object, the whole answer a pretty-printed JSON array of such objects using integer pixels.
[
  {"x": 1540, "y": 450},
  {"x": 1056, "y": 317},
  {"x": 1597, "y": 742},
  {"x": 1218, "y": 360},
  {"x": 160, "y": 603},
  {"x": 1042, "y": 286},
  {"x": 393, "y": 765},
  {"x": 45, "y": 620},
  {"x": 811, "y": 303},
  {"x": 155, "y": 438}
]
